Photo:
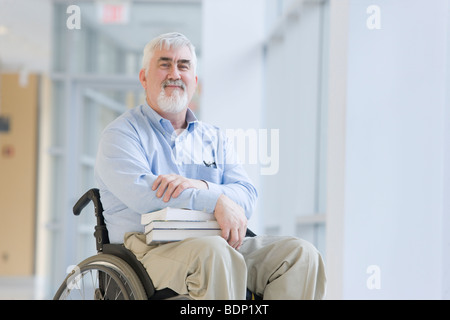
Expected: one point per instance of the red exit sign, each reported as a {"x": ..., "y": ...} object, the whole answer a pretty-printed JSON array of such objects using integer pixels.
[{"x": 114, "y": 13}]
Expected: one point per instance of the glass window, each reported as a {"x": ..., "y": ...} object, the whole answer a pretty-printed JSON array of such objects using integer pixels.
[
  {"x": 295, "y": 64},
  {"x": 95, "y": 79}
]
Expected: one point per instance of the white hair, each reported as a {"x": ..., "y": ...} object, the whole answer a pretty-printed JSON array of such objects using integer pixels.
[{"x": 172, "y": 40}]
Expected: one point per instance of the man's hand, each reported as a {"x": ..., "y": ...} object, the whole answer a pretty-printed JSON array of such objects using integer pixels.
[
  {"x": 171, "y": 185},
  {"x": 232, "y": 220}
]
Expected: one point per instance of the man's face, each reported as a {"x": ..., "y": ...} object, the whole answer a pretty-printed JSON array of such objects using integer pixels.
[{"x": 170, "y": 81}]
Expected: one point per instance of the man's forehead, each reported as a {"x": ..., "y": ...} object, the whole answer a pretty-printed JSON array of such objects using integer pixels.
[{"x": 173, "y": 54}]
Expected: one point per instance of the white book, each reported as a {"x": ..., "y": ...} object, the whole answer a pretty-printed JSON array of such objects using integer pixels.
[
  {"x": 176, "y": 214},
  {"x": 170, "y": 235},
  {"x": 181, "y": 224}
]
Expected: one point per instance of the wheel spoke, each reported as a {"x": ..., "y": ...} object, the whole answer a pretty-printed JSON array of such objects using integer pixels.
[{"x": 102, "y": 277}]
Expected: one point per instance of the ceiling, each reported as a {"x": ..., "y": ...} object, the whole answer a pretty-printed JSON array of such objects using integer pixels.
[
  {"x": 24, "y": 35},
  {"x": 26, "y": 27}
]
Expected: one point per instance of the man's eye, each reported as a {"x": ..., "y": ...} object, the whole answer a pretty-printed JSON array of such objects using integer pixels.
[{"x": 183, "y": 67}]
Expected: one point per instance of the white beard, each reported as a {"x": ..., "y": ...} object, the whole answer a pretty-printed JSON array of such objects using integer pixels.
[{"x": 174, "y": 103}]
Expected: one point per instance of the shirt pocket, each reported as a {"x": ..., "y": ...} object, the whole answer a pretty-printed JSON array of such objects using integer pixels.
[{"x": 210, "y": 174}]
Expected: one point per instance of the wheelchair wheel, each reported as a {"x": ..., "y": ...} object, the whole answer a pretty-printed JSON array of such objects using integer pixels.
[{"x": 101, "y": 277}]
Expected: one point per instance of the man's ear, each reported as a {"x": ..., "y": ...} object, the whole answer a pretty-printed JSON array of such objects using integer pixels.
[{"x": 143, "y": 78}]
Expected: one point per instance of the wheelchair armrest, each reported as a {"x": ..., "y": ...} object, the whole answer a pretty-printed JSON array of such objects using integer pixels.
[
  {"x": 81, "y": 203},
  {"x": 101, "y": 233},
  {"x": 90, "y": 195}
]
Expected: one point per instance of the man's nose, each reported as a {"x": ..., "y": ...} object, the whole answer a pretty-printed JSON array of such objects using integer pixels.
[{"x": 174, "y": 74}]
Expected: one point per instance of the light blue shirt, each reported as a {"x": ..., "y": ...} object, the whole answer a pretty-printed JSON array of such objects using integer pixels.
[{"x": 140, "y": 145}]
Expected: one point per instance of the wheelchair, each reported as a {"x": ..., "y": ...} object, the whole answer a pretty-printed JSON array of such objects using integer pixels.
[{"x": 114, "y": 273}]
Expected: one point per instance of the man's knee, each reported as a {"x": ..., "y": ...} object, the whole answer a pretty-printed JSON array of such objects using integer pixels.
[
  {"x": 312, "y": 261},
  {"x": 304, "y": 248},
  {"x": 301, "y": 244}
]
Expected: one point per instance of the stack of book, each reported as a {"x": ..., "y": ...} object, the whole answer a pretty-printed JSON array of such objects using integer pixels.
[{"x": 173, "y": 224}]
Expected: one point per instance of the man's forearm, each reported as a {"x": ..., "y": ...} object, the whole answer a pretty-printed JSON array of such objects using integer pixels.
[
  {"x": 243, "y": 194},
  {"x": 172, "y": 185},
  {"x": 140, "y": 197}
]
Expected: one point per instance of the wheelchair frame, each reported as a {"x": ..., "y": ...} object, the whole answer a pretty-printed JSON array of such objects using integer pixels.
[{"x": 119, "y": 273}]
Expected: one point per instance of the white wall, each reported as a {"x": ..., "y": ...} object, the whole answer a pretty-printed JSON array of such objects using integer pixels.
[
  {"x": 232, "y": 69},
  {"x": 389, "y": 156},
  {"x": 395, "y": 147},
  {"x": 446, "y": 209}
]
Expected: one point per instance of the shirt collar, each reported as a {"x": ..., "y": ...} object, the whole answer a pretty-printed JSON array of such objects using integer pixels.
[
  {"x": 163, "y": 124},
  {"x": 191, "y": 120}
]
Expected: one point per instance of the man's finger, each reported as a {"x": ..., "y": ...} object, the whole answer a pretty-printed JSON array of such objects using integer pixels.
[
  {"x": 156, "y": 183},
  {"x": 163, "y": 185},
  {"x": 225, "y": 233},
  {"x": 233, "y": 239},
  {"x": 242, "y": 232},
  {"x": 179, "y": 189},
  {"x": 172, "y": 185}
]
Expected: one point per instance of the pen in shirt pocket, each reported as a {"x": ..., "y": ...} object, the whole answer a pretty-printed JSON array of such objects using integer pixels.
[{"x": 211, "y": 163}]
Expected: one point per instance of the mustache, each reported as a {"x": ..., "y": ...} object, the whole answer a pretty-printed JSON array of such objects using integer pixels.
[{"x": 178, "y": 83}]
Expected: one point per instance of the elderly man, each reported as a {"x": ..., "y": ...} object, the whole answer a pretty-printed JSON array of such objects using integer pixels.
[{"x": 158, "y": 155}]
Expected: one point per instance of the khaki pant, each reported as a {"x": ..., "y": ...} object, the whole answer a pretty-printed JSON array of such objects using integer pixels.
[{"x": 208, "y": 268}]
